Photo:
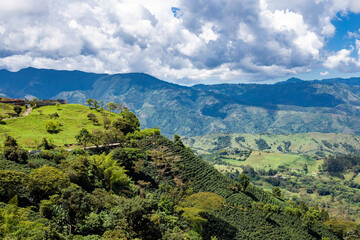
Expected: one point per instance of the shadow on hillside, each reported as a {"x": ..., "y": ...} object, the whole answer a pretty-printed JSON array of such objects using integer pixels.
[{"x": 217, "y": 227}]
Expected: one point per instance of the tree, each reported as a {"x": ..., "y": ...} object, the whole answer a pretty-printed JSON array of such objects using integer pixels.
[
  {"x": 95, "y": 104},
  {"x": 34, "y": 103},
  {"x": 111, "y": 106},
  {"x": 47, "y": 181},
  {"x": 113, "y": 135},
  {"x": 97, "y": 137},
  {"x": 127, "y": 156},
  {"x": 46, "y": 144},
  {"x": 13, "y": 152},
  {"x": 123, "y": 125},
  {"x": 244, "y": 181},
  {"x": 276, "y": 191},
  {"x": 131, "y": 117},
  {"x": 10, "y": 142},
  {"x": 83, "y": 137},
  {"x": 17, "y": 110},
  {"x": 12, "y": 183},
  {"x": 113, "y": 174},
  {"x": 89, "y": 102},
  {"x": 106, "y": 122}
]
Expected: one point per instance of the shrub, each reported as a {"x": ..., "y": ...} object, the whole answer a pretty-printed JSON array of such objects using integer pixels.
[
  {"x": 52, "y": 126},
  {"x": 17, "y": 110},
  {"x": 54, "y": 115},
  {"x": 92, "y": 117},
  {"x": 15, "y": 154}
]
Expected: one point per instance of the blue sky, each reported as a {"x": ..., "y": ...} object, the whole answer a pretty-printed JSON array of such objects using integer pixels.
[{"x": 185, "y": 41}]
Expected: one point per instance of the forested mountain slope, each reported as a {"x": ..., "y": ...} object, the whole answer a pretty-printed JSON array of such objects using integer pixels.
[{"x": 293, "y": 106}]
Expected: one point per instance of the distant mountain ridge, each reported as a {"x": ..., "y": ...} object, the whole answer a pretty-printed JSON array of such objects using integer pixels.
[{"x": 292, "y": 106}]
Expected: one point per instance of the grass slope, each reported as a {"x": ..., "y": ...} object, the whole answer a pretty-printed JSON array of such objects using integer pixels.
[{"x": 29, "y": 130}]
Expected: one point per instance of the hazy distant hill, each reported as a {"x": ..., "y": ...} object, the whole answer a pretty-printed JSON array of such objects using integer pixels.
[
  {"x": 293, "y": 106},
  {"x": 311, "y": 144}
]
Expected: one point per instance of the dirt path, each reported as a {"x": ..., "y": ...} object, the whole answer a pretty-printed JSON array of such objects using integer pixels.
[{"x": 27, "y": 112}]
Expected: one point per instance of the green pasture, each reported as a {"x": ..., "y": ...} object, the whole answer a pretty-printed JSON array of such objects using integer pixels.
[{"x": 29, "y": 130}]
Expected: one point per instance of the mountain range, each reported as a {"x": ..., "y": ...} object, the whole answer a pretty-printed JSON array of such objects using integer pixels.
[{"x": 292, "y": 106}]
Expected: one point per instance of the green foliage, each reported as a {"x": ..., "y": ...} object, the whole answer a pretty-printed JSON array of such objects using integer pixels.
[
  {"x": 177, "y": 140},
  {"x": 339, "y": 163},
  {"x": 92, "y": 117},
  {"x": 15, "y": 154},
  {"x": 52, "y": 126},
  {"x": 106, "y": 122},
  {"x": 83, "y": 137},
  {"x": 127, "y": 157},
  {"x": 149, "y": 132},
  {"x": 344, "y": 229},
  {"x": 276, "y": 191},
  {"x": 113, "y": 174},
  {"x": 89, "y": 102},
  {"x": 123, "y": 125},
  {"x": 194, "y": 206},
  {"x": 10, "y": 142},
  {"x": 15, "y": 223},
  {"x": 12, "y": 183},
  {"x": 244, "y": 181},
  {"x": 17, "y": 110},
  {"x": 54, "y": 115},
  {"x": 172, "y": 194},
  {"x": 46, "y": 144},
  {"x": 47, "y": 181},
  {"x": 262, "y": 144},
  {"x": 132, "y": 118},
  {"x": 111, "y": 106}
]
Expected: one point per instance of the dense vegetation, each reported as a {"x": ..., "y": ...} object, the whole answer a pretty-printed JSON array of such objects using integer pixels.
[
  {"x": 322, "y": 176},
  {"x": 148, "y": 187}
]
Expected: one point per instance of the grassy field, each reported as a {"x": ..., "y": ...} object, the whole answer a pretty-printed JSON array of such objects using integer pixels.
[
  {"x": 29, "y": 130},
  {"x": 7, "y": 108},
  {"x": 266, "y": 160},
  {"x": 274, "y": 160}
]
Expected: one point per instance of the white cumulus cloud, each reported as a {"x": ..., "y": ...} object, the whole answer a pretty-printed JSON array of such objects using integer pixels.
[{"x": 206, "y": 41}]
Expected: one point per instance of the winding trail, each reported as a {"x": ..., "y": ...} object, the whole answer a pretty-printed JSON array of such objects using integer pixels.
[{"x": 27, "y": 112}]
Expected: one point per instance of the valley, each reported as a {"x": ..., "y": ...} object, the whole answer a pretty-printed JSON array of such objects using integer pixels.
[{"x": 295, "y": 163}]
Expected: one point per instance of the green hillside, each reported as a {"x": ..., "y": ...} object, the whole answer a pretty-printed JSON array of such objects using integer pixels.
[
  {"x": 29, "y": 130},
  {"x": 292, "y": 162},
  {"x": 148, "y": 188}
]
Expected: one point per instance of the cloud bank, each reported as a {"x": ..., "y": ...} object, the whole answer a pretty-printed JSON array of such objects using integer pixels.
[{"x": 182, "y": 41}]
